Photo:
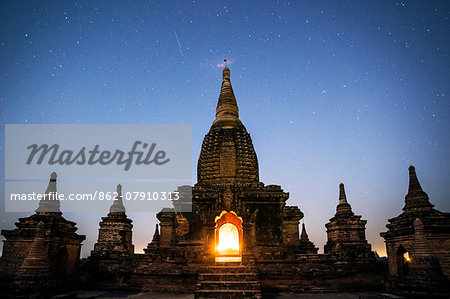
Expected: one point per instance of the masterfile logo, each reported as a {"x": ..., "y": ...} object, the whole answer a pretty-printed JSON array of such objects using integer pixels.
[
  {"x": 150, "y": 161},
  {"x": 94, "y": 156}
]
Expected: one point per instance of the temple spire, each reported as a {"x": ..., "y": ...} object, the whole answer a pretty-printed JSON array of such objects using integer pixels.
[
  {"x": 305, "y": 245},
  {"x": 342, "y": 196},
  {"x": 414, "y": 184},
  {"x": 343, "y": 207},
  {"x": 304, "y": 234},
  {"x": 50, "y": 203},
  {"x": 154, "y": 244},
  {"x": 227, "y": 111},
  {"x": 156, "y": 236},
  {"x": 416, "y": 197},
  {"x": 117, "y": 206}
]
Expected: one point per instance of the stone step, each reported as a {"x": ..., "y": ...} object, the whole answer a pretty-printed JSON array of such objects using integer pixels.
[
  {"x": 229, "y": 269},
  {"x": 228, "y": 264},
  {"x": 229, "y": 285},
  {"x": 227, "y": 276},
  {"x": 228, "y": 281},
  {"x": 228, "y": 294}
]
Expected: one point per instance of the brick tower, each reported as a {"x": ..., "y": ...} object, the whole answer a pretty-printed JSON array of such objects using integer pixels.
[
  {"x": 43, "y": 243},
  {"x": 112, "y": 254},
  {"x": 305, "y": 245},
  {"x": 401, "y": 234},
  {"x": 346, "y": 232},
  {"x": 241, "y": 235}
]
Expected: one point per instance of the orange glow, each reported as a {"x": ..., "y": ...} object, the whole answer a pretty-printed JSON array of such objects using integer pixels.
[
  {"x": 228, "y": 237},
  {"x": 406, "y": 256},
  {"x": 223, "y": 259}
]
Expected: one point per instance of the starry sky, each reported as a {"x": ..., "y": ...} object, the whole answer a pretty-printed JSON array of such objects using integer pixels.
[{"x": 330, "y": 91}]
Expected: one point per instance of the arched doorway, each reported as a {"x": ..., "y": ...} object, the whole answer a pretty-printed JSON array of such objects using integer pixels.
[
  {"x": 403, "y": 260},
  {"x": 228, "y": 233}
]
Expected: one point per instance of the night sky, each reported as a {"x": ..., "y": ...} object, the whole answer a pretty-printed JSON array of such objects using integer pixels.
[{"x": 330, "y": 91}]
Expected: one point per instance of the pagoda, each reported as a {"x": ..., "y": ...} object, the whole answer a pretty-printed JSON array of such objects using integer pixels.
[
  {"x": 241, "y": 235},
  {"x": 419, "y": 219},
  {"x": 346, "y": 232},
  {"x": 44, "y": 247},
  {"x": 114, "y": 250}
]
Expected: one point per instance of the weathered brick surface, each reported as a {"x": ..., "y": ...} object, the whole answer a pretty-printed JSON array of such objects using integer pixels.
[
  {"x": 228, "y": 180},
  {"x": 62, "y": 244},
  {"x": 111, "y": 259},
  {"x": 43, "y": 243},
  {"x": 400, "y": 237},
  {"x": 346, "y": 233},
  {"x": 274, "y": 255}
]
